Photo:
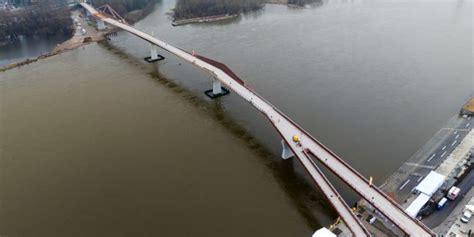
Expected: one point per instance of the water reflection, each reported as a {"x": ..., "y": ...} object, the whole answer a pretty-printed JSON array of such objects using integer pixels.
[
  {"x": 28, "y": 47},
  {"x": 310, "y": 204}
]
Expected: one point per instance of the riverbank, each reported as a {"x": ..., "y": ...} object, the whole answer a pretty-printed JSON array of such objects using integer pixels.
[
  {"x": 429, "y": 157},
  {"x": 203, "y": 19},
  {"x": 79, "y": 38},
  {"x": 41, "y": 19},
  {"x": 222, "y": 17},
  {"x": 446, "y": 153},
  {"x": 85, "y": 33},
  {"x": 296, "y": 6}
]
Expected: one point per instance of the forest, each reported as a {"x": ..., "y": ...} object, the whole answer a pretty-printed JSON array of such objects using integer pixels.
[
  {"x": 199, "y": 8},
  {"x": 52, "y": 17},
  {"x": 301, "y": 2},
  {"x": 123, "y": 7},
  {"x": 38, "y": 19},
  {"x": 186, "y": 9}
]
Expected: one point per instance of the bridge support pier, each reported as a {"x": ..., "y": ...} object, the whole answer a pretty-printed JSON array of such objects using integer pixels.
[
  {"x": 100, "y": 25},
  {"x": 153, "y": 53},
  {"x": 286, "y": 152},
  {"x": 217, "y": 90},
  {"x": 154, "y": 56}
]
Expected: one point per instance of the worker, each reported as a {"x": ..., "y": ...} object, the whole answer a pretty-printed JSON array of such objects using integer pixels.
[{"x": 296, "y": 139}]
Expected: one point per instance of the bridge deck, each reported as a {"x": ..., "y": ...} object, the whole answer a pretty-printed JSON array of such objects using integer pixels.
[{"x": 307, "y": 148}]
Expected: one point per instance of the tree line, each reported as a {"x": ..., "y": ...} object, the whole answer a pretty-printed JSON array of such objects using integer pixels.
[
  {"x": 123, "y": 7},
  {"x": 200, "y": 8},
  {"x": 186, "y": 9},
  {"x": 52, "y": 17},
  {"x": 38, "y": 19},
  {"x": 302, "y": 2}
]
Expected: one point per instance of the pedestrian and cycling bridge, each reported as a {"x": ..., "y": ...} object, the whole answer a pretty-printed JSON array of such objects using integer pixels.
[{"x": 296, "y": 141}]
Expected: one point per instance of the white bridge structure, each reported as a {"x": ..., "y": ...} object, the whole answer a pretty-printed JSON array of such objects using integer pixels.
[{"x": 296, "y": 141}]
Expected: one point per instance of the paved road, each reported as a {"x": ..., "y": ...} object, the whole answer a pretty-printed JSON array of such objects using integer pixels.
[
  {"x": 451, "y": 137},
  {"x": 436, "y": 218}
]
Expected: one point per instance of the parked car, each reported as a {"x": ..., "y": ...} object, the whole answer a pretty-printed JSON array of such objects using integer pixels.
[{"x": 466, "y": 216}]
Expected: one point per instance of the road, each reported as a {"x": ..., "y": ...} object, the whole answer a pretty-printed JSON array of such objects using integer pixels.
[
  {"x": 450, "y": 138},
  {"x": 436, "y": 218}
]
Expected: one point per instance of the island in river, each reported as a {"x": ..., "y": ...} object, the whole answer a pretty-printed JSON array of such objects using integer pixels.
[{"x": 200, "y": 11}]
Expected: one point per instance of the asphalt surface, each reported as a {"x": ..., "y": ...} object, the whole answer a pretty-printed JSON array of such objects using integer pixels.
[
  {"x": 437, "y": 217},
  {"x": 426, "y": 159},
  {"x": 431, "y": 160}
]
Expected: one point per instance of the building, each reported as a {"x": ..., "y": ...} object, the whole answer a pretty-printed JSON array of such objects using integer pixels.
[{"x": 425, "y": 189}]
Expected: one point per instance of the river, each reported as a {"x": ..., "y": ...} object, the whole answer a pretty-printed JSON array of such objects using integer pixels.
[
  {"x": 29, "y": 47},
  {"x": 96, "y": 142}
]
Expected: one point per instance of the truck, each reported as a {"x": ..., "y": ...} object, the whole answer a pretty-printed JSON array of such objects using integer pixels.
[{"x": 453, "y": 193}]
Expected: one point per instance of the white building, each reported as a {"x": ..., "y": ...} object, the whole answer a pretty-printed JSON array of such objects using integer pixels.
[
  {"x": 323, "y": 232},
  {"x": 426, "y": 188},
  {"x": 431, "y": 183}
]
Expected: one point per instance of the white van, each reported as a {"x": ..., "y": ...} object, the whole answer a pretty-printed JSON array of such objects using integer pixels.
[
  {"x": 453, "y": 192},
  {"x": 441, "y": 203}
]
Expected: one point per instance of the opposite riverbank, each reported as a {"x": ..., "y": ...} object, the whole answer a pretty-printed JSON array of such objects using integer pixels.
[
  {"x": 199, "y": 12},
  {"x": 79, "y": 38},
  {"x": 203, "y": 19}
]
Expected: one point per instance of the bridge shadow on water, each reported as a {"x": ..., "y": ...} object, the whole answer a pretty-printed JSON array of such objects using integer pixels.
[{"x": 298, "y": 187}]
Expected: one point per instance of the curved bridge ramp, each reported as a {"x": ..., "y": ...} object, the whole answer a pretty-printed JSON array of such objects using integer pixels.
[{"x": 305, "y": 149}]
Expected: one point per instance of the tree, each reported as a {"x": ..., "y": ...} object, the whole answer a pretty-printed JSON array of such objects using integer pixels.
[
  {"x": 201, "y": 8},
  {"x": 40, "y": 19}
]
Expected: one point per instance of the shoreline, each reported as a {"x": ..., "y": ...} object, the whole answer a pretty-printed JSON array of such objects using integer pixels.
[
  {"x": 296, "y": 6},
  {"x": 400, "y": 184},
  {"x": 53, "y": 52},
  {"x": 77, "y": 39},
  {"x": 214, "y": 18},
  {"x": 203, "y": 19}
]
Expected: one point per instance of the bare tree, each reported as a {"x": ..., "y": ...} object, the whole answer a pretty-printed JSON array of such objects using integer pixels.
[{"x": 200, "y": 8}]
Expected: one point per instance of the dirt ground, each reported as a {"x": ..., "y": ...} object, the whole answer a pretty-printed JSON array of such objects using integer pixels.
[
  {"x": 469, "y": 106},
  {"x": 79, "y": 39}
]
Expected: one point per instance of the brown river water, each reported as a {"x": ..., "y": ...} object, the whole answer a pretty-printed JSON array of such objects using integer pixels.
[{"x": 96, "y": 142}]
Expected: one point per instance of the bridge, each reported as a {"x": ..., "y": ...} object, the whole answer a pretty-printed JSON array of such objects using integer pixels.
[{"x": 296, "y": 142}]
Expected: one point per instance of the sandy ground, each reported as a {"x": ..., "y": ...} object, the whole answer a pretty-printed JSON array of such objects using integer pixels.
[
  {"x": 78, "y": 39},
  {"x": 469, "y": 106}
]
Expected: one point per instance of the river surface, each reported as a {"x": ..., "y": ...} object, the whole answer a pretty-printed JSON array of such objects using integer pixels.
[
  {"x": 96, "y": 142},
  {"x": 29, "y": 47}
]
